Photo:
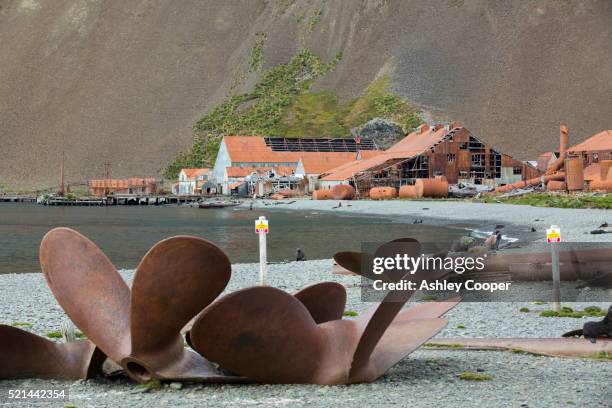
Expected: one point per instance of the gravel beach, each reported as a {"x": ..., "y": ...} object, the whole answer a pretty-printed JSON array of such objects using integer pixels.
[
  {"x": 427, "y": 378},
  {"x": 575, "y": 224}
]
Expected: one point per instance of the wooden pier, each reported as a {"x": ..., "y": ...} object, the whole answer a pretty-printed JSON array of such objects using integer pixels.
[{"x": 104, "y": 201}]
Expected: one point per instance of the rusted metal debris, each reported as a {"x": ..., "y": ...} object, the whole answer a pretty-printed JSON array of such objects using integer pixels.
[
  {"x": 26, "y": 355},
  {"x": 562, "y": 347},
  {"x": 272, "y": 336},
  {"x": 139, "y": 329}
]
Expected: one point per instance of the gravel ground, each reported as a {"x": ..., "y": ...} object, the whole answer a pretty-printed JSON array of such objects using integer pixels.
[
  {"x": 575, "y": 224},
  {"x": 428, "y": 378}
]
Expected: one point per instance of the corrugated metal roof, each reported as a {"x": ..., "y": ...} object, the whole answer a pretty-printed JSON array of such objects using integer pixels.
[
  {"x": 253, "y": 149},
  {"x": 601, "y": 141},
  {"x": 412, "y": 145},
  {"x": 193, "y": 173}
]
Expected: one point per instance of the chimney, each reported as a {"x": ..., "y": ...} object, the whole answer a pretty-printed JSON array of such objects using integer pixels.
[{"x": 563, "y": 138}]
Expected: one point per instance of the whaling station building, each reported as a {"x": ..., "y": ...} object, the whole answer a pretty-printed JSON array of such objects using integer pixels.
[
  {"x": 299, "y": 160},
  {"x": 451, "y": 151}
]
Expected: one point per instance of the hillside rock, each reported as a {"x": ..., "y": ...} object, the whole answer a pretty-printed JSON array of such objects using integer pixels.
[{"x": 385, "y": 132}]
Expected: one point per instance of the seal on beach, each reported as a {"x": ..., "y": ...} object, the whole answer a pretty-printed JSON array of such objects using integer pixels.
[
  {"x": 299, "y": 255},
  {"x": 595, "y": 330}
]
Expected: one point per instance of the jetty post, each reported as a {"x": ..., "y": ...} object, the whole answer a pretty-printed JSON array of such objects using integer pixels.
[{"x": 553, "y": 237}]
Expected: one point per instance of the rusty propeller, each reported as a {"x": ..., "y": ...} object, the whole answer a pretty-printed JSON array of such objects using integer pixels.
[
  {"x": 139, "y": 329},
  {"x": 274, "y": 337},
  {"x": 26, "y": 355}
]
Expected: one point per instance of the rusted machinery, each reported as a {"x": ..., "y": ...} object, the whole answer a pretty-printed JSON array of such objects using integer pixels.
[
  {"x": 555, "y": 347},
  {"x": 343, "y": 192},
  {"x": 273, "y": 336},
  {"x": 407, "y": 191},
  {"x": 383, "y": 193},
  {"x": 574, "y": 173},
  {"x": 321, "y": 195},
  {"x": 435, "y": 188}
]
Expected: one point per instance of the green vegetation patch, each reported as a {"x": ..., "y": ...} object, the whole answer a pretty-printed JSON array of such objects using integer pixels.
[
  {"x": 524, "y": 309},
  {"x": 461, "y": 326},
  {"x": 150, "y": 386},
  {"x": 590, "y": 311},
  {"x": 21, "y": 324},
  {"x": 257, "y": 58},
  {"x": 54, "y": 335},
  {"x": 350, "y": 313},
  {"x": 314, "y": 19},
  {"x": 553, "y": 200},
  {"x": 470, "y": 376},
  {"x": 281, "y": 104}
]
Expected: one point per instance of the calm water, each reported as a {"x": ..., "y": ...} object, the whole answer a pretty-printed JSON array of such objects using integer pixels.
[{"x": 126, "y": 233}]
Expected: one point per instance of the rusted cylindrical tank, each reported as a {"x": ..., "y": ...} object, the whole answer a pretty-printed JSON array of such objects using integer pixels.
[
  {"x": 601, "y": 185},
  {"x": 383, "y": 193},
  {"x": 288, "y": 192},
  {"x": 343, "y": 192},
  {"x": 574, "y": 173},
  {"x": 431, "y": 188},
  {"x": 555, "y": 185},
  {"x": 605, "y": 167},
  {"x": 407, "y": 191},
  {"x": 321, "y": 195}
]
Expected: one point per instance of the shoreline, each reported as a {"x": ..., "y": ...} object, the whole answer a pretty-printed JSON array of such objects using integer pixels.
[
  {"x": 423, "y": 378},
  {"x": 575, "y": 224}
]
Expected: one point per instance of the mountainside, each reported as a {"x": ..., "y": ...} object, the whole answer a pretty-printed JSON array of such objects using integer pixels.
[{"x": 125, "y": 82}]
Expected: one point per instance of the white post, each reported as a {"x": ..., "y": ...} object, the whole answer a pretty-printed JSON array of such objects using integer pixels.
[
  {"x": 554, "y": 248},
  {"x": 263, "y": 260},
  {"x": 261, "y": 229},
  {"x": 553, "y": 236}
]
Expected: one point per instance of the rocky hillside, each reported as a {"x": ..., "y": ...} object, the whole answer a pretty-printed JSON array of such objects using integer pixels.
[{"x": 125, "y": 82}]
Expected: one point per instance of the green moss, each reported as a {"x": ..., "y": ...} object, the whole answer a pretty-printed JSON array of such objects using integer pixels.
[
  {"x": 469, "y": 376},
  {"x": 257, "y": 60},
  {"x": 591, "y": 311},
  {"x": 518, "y": 351},
  {"x": 21, "y": 324},
  {"x": 461, "y": 326},
  {"x": 151, "y": 385},
  {"x": 553, "y": 200},
  {"x": 281, "y": 104},
  {"x": 314, "y": 19},
  {"x": 539, "y": 302},
  {"x": 54, "y": 335},
  {"x": 429, "y": 298},
  {"x": 350, "y": 313},
  {"x": 524, "y": 309},
  {"x": 604, "y": 355}
]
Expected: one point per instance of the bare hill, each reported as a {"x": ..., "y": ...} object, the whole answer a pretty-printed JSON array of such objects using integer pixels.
[{"x": 124, "y": 81}]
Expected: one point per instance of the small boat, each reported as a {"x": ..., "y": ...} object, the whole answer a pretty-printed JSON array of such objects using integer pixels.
[{"x": 218, "y": 204}]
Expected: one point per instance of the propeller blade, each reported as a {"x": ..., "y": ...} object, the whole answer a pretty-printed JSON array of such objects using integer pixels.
[
  {"x": 26, "y": 355},
  {"x": 401, "y": 338},
  {"x": 89, "y": 289},
  {"x": 325, "y": 301},
  {"x": 175, "y": 280}
]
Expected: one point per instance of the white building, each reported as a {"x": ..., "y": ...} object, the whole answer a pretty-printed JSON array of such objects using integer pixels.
[{"x": 190, "y": 181}]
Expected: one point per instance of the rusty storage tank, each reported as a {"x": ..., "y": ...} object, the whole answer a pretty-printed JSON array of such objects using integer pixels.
[
  {"x": 601, "y": 185},
  {"x": 343, "y": 192},
  {"x": 605, "y": 167},
  {"x": 407, "y": 191},
  {"x": 574, "y": 173},
  {"x": 321, "y": 195},
  {"x": 431, "y": 187},
  {"x": 555, "y": 185},
  {"x": 383, "y": 193}
]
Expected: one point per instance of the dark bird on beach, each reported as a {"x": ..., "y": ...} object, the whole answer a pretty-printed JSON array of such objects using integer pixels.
[
  {"x": 417, "y": 221},
  {"x": 299, "y": 255},
  {"x": 600, "y": 231},
  {"x": 533, "y": 229},
  {"x": 251, "y": 207},
  {"x": 604, "y": 225}
]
